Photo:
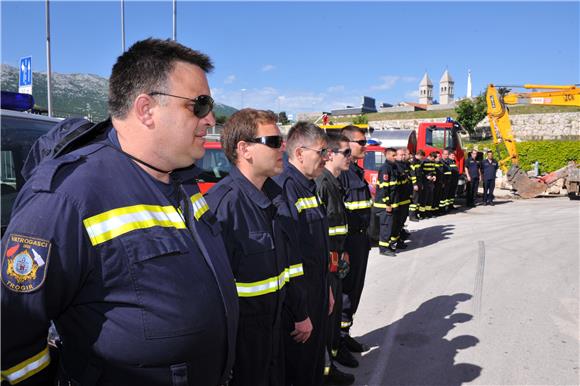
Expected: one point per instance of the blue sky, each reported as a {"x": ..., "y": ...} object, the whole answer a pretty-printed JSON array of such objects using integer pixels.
[{"x": 314, "y": 56}]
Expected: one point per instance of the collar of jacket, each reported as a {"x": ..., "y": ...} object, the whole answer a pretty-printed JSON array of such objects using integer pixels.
[
  {"x": 297, "y": 176},
  {"x": 326, "y": 174},
  {"x": 357, "y": 170},
  {"x": 269, "y": 194}
]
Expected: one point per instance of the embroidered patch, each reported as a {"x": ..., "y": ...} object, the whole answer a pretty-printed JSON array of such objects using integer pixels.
[
  {"x": 25, "y": 263},
  {"x": 385, "y": 177}
]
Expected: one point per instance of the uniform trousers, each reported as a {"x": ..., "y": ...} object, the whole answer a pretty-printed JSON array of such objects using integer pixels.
[
  {"x": 357, "y": 245},
  {"x": 488, "y": 187},
  {"x": 472, "y": 187}
]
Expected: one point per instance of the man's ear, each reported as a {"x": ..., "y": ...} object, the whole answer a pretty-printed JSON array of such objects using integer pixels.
[
  {"x": 143, "y": 107},
  {"x": 243, "y": 150}
]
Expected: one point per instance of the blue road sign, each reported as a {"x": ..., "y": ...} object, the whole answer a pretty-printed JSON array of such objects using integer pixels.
[{"x": 25, "y": 78}]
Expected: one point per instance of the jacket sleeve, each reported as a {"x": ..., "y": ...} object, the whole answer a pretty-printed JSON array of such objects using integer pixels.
[
  {"x": 46, "y": 254},
  {"x": 336, "y": 214}
]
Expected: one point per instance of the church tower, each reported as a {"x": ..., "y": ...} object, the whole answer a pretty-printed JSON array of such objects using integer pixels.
[
  {"x": 426, "y": 90},
  {"x": 446, "y": 89}
]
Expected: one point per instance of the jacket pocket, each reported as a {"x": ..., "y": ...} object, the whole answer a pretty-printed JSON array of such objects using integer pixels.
[{"x": 170, "y": 283}]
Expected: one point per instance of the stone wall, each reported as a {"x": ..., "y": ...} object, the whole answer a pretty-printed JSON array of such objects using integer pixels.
[{"x": 524, "y": 126}]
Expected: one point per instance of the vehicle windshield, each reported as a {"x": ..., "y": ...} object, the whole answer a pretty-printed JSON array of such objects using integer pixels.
[
  {"x": 374, "y": 160},
  {"x": 215, "y": 165},
  {"x": 440, "y": 138}
]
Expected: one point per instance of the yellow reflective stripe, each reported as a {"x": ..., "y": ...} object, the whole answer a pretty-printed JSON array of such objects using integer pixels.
[
  {"x": 345, "y": 324},
  {"x": 354, "y": 205},
  {"x": 447, "y": 172},
  {"x": 384, "y": 243},
  {"x": 383, "y": 184},
  {"x": 326, "y": 370},
  {"x": 115, "y": 222},
  {"x": 338, "y": 230},
  {"x": 306, "y": 203},
  {"x": 200, "y": 206},
  {"x": 379, "y": 205},
  {"x": 27, "y": 368},
  {"x": 296, "y": 270},
  {"x": 397, "y": 204},
  {"x": 263, "y": 287}
]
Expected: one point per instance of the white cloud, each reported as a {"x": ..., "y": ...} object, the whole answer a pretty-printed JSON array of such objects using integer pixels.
[
  {"x": 230, "y": 79},
  {"x": 389, "y": 81},
  {"x": 413, "y": 94},
  {"x": 268, "y": 67},
  {"x": 337, "y": 88}
]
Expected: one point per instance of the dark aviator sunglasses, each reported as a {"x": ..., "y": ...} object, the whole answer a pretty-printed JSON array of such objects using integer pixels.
[
  {"x": 361, "y": 142},
  {"x": 346, "y": 152},
  {"x": 202, "y": 105},
  {"x": 272, "y": 141}
]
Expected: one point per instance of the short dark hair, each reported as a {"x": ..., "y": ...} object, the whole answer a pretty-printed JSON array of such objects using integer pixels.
[
  {"x": 333, "y": 140},
  {"x": 421, "y": 152},
  {"x": 349, "y": 130},
  {"x": 144, "y": 68},
  {"x": 242, "y": 126},
  {"x": 302, "y": 134},
  {"x": 390, "y": 150}
]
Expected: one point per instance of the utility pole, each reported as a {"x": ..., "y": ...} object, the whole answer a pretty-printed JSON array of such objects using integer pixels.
[
  {"x": 174, "y": 20},
  {"x": 48, "y": 69},
  {"x": 122, "y": 25}
]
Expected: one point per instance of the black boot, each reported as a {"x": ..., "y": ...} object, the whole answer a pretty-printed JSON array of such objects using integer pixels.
[
  {"x": 337, "y": 377},
  {"x": 353, "y": 345},
  {"x": 344, "y": 357}
]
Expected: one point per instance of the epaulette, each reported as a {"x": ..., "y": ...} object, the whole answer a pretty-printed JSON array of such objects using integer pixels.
[{"x": 217, "y": 194}]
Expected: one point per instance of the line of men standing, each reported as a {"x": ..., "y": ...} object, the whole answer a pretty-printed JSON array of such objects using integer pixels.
[
  {"x": 298, "y": 245},
  {"x": 416, "y": 187}
]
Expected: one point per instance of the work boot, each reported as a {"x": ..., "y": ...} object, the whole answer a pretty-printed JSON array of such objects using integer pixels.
[
  {"x": 344, "y": 357},
  {"x": 337, "y": 377},
  {"x": 388, "y": 252},
  {"x": 401, "y": 245},
  {"x": 353, "y": 345},
  {"x": 414, "y": 218}
]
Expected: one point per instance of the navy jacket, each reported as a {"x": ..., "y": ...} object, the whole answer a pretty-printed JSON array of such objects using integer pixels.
[
  {"x": 488, "y": 169},
  {"x": 358, "y": 201},
  {"x": 260, "y": 240},
  {"x": 473, "y": 167},
  {"x": 140, "y": 291},
  {"x": 331, "y": 195}
]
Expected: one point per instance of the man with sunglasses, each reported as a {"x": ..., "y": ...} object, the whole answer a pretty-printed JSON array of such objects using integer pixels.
[
  {"x": 331, "y": 193},
  {"x": 113, "y": 242},
  {"x": 260, "y": 238},
  {"x": 358, "y": 204},
  {"x": 307, "y": 154}
]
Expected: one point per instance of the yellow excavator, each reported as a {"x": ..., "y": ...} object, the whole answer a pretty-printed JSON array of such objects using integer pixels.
[{"x": 501, "y": 130}]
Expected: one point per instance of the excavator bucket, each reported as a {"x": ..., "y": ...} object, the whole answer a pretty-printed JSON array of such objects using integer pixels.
[{"x": 526, "y": 187}]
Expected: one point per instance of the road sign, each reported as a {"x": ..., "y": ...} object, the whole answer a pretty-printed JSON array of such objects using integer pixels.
[{"x": 25, "y": 75}]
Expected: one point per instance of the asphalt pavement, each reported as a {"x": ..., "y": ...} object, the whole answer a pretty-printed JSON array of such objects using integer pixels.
[{"x": 485, "y": 296}]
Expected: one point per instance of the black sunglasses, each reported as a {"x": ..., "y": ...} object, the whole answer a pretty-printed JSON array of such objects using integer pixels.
[
  {"x": 273, "y": 141},
  {"x": 346, "y": 152},
  {"x": 361, "y": 142},
  {"x": 322, "y": 152},
  {"x": 202, "y": 105}
]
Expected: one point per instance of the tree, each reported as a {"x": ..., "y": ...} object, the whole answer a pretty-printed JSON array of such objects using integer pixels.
[
  {"x": 220, "y": 119},
  {"x": 283, "y": 118},
  {"x": 471, "y": 112},
  {"x": 360, "y": 120}
]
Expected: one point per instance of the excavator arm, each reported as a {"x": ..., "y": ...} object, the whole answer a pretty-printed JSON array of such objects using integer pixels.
[{"x": 501, "y": 128}]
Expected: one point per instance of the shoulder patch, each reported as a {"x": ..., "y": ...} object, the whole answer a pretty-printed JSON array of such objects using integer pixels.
[{"x": 25, "y": 263}]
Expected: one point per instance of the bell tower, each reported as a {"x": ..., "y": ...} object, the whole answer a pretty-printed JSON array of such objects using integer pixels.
[{"x": 426, "y": 90}]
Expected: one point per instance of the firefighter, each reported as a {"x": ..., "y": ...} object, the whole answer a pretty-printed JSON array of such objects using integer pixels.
[
  {"x": 447, "y": 177},
  {"x": 489, "y": 168},
  {"x": 331, "y": 194},
  {"x": 439, "y": 189},
  {"x": 405, "y": 190},
  {"x": 417, "y": 206},
  {"x": 129, "y": 264},
  {"x": 385, "y": 199},
  {"x": 307, "y": 154},
  {"x": 358, "y": 204},
  {"x": 454, "y": 180},
  {"x": 259, "y": 235},
  {"x": 473, "y": 174},
  {"x": 429, "y": 178}
]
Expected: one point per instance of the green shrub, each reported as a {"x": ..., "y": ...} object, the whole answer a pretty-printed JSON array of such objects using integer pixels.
[{"x": 551, "y": 154}]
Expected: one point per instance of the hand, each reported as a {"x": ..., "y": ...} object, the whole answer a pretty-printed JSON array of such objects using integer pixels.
[
  {"x": 330, "y": 300},
  {"x": 416, "y": 188},
  {"x": 302, "y": 330},
  {"x": 468, "y": 178},
  {"x": 389, "y": 209}
]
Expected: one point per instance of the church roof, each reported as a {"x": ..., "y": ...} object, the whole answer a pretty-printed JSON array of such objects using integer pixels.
[
  {"x": 446, "y": 77},
  {"x": 426, "y": 81}
]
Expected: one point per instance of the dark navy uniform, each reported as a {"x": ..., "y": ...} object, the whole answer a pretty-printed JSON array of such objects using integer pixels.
[
  {"x": 133, "y": 272},
  {"x": 488, "y": 171},
  {"x": 305, "y": 361},
  {"x": 258, "y": 233},
  {"x": 331, "y": 194},
  {"x": 388, "y": 194},
  {"x": 473, "y": 169},
  {"x": 429, "y": 170},
  {"x": 439, "y": 190},
  {"x": 453, "y": 182},
  {"x": 405, "y": 188},
  {"x": 416, "y": 175},
  {"x": 358, "y": 203},
  {"x": 447, "y": 182}
]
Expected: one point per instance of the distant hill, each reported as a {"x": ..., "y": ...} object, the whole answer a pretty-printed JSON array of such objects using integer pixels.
[{"x": 74, "y": 94}]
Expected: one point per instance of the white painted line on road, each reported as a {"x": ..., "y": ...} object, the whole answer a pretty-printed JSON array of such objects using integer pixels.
[
  {"x": 478, "y": 287},
  {"x": 387, "y": 345}
]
